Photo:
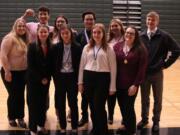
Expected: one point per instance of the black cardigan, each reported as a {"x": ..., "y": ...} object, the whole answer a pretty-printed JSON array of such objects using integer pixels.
[{"x": 57, "y": 57}]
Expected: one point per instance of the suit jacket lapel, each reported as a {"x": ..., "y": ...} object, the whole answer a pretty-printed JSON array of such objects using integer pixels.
[{"x": 60, "y": 55}]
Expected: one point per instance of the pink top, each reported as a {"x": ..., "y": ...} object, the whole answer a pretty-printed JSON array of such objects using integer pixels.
[
  {"x": 32, "y": 27},
  {"x": 13, "y": 56}
]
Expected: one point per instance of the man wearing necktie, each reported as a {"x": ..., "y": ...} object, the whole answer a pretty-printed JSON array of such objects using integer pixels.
[
  {"x": 150, "y": 35},
  {"x": 158, "y": 44}
]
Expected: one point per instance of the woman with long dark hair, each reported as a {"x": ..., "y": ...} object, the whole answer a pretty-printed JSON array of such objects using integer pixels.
[
  {"x": 66, "y": 58},
  {"x": 58, "y": 23},
  {"x": 131, "y": 58}
]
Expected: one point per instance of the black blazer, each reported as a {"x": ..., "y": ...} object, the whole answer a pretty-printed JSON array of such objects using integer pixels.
[
  {"x": 81, "y": 39},
  {"x": 158, "y": 47},
  {"x": 39, "y": 66},
  {"x": 57, "y": 57}
]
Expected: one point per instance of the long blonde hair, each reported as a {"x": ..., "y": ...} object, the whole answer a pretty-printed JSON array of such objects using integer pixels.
[
  {"x": 111, "y": 34},
  {"x": 21, "y": 41}
]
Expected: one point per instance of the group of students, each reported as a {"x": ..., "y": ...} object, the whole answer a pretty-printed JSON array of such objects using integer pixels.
[{"x": 102, "y": 67}]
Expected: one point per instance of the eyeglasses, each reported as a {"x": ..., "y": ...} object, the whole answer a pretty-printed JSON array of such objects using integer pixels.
[{"x": 130, "y": 33}]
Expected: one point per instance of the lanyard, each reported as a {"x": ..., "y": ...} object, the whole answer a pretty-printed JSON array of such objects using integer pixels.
[
  {"x": 96, "y": 52},
  {"x": 126, "y": 50},
  {"x": 68, "y": 55},
  {"x": 86, "y": 35}
]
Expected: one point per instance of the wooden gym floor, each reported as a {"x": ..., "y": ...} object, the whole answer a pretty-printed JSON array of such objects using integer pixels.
[{"x": 170, "y": 118}]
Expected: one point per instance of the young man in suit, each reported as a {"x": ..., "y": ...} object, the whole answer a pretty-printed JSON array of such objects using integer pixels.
[
  {"x": 158, "y": 44},
  {"x": 83, "y": 37}
]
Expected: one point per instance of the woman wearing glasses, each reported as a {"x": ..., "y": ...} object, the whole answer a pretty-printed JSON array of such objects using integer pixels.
[{"x": 131, "y": 58}]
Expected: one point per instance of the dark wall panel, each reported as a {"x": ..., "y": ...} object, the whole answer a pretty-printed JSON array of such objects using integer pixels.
[
  {"x": 169, "y": 11},
  {"x": 72, "y": 9}
]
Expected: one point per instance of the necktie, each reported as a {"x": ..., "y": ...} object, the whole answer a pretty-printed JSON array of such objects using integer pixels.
[{"x": 151, "y": 35}]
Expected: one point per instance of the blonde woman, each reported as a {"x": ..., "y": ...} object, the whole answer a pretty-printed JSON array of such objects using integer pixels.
[
  {"x": 14, "y": 65},
  {"x": 116, "y": 32},
  {"x": 116, "y": 35}
]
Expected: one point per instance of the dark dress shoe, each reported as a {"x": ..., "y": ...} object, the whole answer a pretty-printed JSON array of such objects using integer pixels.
[
  {"x": 12, "y": 123},
  {"x": 121, "y": 129},
  {"x": 155, "y": 127},
  {"x": 142, "y": 124},
  {"x": 74, "y": 133},
  {"x": 43, "y": 131},
  {"x": 22, "y": 123},
  {"x": 82, "y": 122},
  {"x": 110, "y": 120},
  {"x": 63, "y": 132}
]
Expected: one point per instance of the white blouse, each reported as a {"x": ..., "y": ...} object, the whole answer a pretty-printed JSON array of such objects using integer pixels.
[{"x": 101, "y": 61}]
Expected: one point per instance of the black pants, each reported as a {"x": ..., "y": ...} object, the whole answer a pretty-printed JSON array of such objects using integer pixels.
[
  {"x": 15, "y": 89},
  {"x": 55, "y": 95},
  {"x": 84, "y": 107},
  {"x": 66, "y": 83},
  {"x": 37, "y": 104},
  {"x": 126, "y": 104},
  {"x": 111, "y": 102},
  {"x": 96, "y": 85}
]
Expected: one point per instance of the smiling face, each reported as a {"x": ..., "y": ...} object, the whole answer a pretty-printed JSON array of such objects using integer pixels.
[
  {"x": 20, "y": 28},
  {"x": 66, "y": 35},
  {"x": 115, "y": 28},
  {"x": 97, "y": 35},
  {"x": 130, "y": 36},
  {"x": 89, "y": 21},
  {"x": 59, "y": 22},
  {"x": 43, "y": 33},
  {"x": 152, "y": 20},
  {"x": 43, "y": 17}
]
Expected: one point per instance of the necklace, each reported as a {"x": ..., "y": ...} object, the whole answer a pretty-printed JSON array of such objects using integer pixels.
[
  {"x": 126, "y": 50},
  {"x": 66, "y": 59}
]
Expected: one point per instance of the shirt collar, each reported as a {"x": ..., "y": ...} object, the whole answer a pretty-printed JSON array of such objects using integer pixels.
[
  {"x": 43, "y": 24},
  {"x": 151, "y": 31},
  {"x": 68, "y": 46}
]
